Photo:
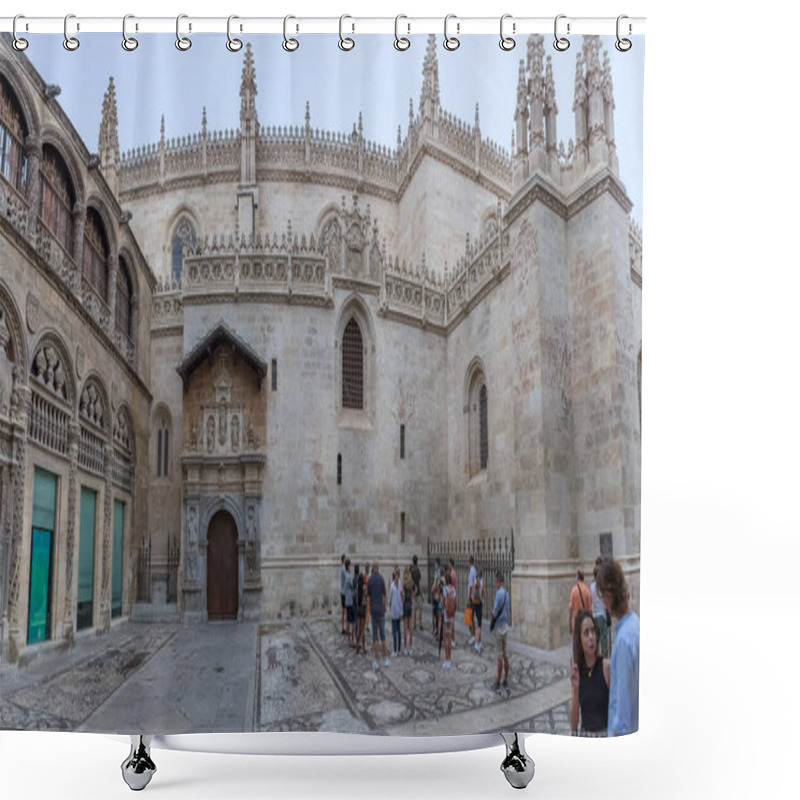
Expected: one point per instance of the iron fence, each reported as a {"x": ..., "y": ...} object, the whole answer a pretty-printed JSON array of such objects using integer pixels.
[
  {"x": 173, "y": 562},
  {"x": 491, "y": 554},
  {"x": 143, "y": 573}
]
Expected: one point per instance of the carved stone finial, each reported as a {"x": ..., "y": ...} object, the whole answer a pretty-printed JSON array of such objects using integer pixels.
[{"x": 429, "y": 100}]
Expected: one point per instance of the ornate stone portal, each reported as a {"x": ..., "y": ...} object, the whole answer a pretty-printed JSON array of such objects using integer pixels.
[{"x": 224, "y": 415}]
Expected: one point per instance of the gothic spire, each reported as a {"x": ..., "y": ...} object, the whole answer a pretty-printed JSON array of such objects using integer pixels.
[
  {"x": 429, "y": 97},
  {"x": 248, "y": 90},
  {"x": 108, "y": 143}
]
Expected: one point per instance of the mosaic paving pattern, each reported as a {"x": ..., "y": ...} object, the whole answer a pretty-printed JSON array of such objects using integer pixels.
[
  {"x": 64, "y": 698},
  {"x": 312, "y": 680}
]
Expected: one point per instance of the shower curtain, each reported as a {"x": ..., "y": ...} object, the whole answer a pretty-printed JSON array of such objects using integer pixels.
[{"x": 298, "y": 346}]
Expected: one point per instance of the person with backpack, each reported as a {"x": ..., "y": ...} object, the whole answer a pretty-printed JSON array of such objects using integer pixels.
[
  {"x": 449, "y": 606},
  {"x": 478, "y": 596},
  {"x": 408, "y": 609},
  {"x": 501, "y": 623},
  {"x": 416, "y": 576},
  {"x": 580, "y": 599},
  {"x": 360, "y": 608}
]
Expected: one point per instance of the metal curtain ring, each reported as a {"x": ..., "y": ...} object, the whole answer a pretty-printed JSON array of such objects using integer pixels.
[
  {"x": 345, "y": 43},
  {"x": 451, "y": 42},
  {"x": 233, "y": 44},
  {"x": 128, "y": 42},
  {"x": 19, "y": 44},
  {"x": 623, "y": 45},
  {"x": 183, "y": 43},
  {"x": 400, "y": 42},
  {"x": 70, "y": 42},
  {"x": 561, "y": 43},
  {"x": 506, "y": 42},
  {"x": 290, "y": 45}
]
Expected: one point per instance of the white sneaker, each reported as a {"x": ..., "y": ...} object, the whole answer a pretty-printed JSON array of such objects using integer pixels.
[
  {"x": 447, "y": 665},
  {"x": 410, "y": 651},
  {"x": 471, "y": 640},
  {"x": 387, "y": 663},
  {"x": 375, "y": 665},
  {"x": 478, "y": 648}
]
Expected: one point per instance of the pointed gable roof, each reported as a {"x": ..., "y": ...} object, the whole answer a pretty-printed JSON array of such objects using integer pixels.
[{"x": 204, "y": 349}]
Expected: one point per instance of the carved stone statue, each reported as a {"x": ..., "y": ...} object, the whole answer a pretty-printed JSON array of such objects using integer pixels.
[
  {"x": 235, "y": 433},
  {"x": 210, "y": 434},
  {"x": 223, "y": 425},
  {"x": 193, "y": 435},
  {"x": 6, "y": 369}
]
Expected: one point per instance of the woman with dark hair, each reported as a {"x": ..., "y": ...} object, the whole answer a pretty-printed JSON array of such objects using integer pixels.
[
  {"x": 590, "y": 678},
  {"x": 360, "y": 607}
]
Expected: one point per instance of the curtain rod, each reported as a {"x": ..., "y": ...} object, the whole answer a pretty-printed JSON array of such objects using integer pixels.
[{"x": 404, "y": 25}]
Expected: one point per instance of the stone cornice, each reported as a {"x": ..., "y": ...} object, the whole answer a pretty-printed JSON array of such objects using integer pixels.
[
  {"x": 163, "y": 333},
  {"x": 243, "y": 296},
  {"x": 356, "y": 285}
]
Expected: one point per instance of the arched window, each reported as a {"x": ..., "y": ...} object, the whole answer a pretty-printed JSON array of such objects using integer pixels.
[
  {"x": 352, "y": 366},
  {"x": 162, "y": 444},
  {"x": 123, "y": 306},
  {"x": 57, "y": 197},
  {"x": 184, "y": 236},
  {"x": 477, "y": 408},
  {"x": 95, "y": 254},
  {"x": 13, "y": 161}
]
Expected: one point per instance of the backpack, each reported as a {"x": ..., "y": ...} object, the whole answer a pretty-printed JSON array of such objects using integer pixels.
[{"x": 450, "y": 605}]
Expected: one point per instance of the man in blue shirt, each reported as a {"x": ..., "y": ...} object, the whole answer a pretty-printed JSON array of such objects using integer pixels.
[
  {"x": 623, "y": 701},
  {"x": 501, "y": 619}
]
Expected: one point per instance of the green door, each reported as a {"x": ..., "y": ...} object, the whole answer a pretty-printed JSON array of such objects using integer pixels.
[
  {"x": 116, "y": 559},
  {"x": 45, "y": 490},
  {"x": 86, "y": 558}
]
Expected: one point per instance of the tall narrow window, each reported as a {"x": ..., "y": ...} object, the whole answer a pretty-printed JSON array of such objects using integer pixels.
[
  {"x": 158, "y": 456},
  {"x": 123, "y": 306},
  {"x": 184, "y": 237},
  {"x": 57, "y": 197},
  {"x": 13, "y": 161},
  {"x": 86, "y": 558},
  {"x": 402, "y": 527},
  {"x": 166, "y": 452},
  {"x": 339, "y": 469},
  {"x": 45, "y": 491},
  {"x": 352, "y": 366},
  {"x": 274, "y": 371},
  {"x": 484, "y": 423},
  {"x": 95, "y": 254},
  {"x": 402, "y": 441}
]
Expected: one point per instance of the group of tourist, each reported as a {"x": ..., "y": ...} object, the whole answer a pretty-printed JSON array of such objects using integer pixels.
[
  {"x": 604, "y": 678},
  {"x": 366, "y": 597}
]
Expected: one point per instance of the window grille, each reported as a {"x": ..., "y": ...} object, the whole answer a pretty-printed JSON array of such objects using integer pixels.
[
  {"x": 13, "y": 161},
  {"x": 95, "y": 254},
  {"x": 352, "y": 367},
  {"x": 48, "y": 425},
  {"x": 123, "y": 307}
]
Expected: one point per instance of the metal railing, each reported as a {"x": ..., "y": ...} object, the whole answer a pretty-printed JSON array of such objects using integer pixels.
[{"x": 493, "y": 554}]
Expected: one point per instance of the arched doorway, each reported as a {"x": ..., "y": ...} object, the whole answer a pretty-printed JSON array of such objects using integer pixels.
[{"x": 222, "y": 571}]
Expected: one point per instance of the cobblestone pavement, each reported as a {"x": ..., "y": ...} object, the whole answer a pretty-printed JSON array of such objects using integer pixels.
[
  {"x": 312, "y": 680},
  {"x": 61, "y": 689},
  {"x": 297, "y": 675}
]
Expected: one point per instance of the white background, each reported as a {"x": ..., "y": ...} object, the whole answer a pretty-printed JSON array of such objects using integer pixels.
[{"x": 719, "y": 537}]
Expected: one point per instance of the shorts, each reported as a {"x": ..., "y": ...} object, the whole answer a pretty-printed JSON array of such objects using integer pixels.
[
  {"x": 502, "y": 642},
  {"x": 450, "y": 628},
  {"x": 418, "y": 603},
  {"x": 344, "y": 605},
  {"x": 351, "y": 614},
  {"x": 477, "y": 614},
  {"x": 407, "y": 609},
  {"x": 378, "y": 626}
]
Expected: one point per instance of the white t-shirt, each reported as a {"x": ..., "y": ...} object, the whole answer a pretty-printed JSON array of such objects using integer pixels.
[{"x": 598, "y": 607}]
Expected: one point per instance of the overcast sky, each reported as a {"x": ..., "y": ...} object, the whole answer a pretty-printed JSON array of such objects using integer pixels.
[{"x": 373, "y": 78}]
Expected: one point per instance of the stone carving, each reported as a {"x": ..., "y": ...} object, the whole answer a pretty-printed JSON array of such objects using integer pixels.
[
  {"x": 210, "y": 434},
  {"x": 32, "y": 312},
  {"x": 404, "y": 404},
  {"x": 79, "y": 360},
  {"x": 250, "y": 528},
  {"x": 48, "y": 370},
  {"x": 235, "y": 433},
  {"x": 91, "y": 405},
  {"x": 192, "y": 571},
  {"x": 223, "y": 425},
  {"x": 193, "y": 435},
  {"x": 251, "y": 558},
  {"x": 523, "y": 256},
  {"x": 6, "y": 369},
  {"x": 121, "y": 432}
]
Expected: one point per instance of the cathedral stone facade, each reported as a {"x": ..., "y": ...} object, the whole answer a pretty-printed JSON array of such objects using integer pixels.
[{"x": 242, "y": 354}]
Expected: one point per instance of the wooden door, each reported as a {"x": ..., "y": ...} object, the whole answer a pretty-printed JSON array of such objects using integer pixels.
[{"x": 222, "y": 571}]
